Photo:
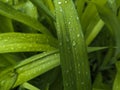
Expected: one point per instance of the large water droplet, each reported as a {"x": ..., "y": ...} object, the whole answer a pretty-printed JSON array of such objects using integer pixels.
[
  {"x": 74, "y": 43},
  {"x": 59, "y": 2},
  {"x": 69, "y": 22},
  {"x": 65, "y": 1},
  {"x": 78, "y": 35},
  {"x": 77, "y": 18}
]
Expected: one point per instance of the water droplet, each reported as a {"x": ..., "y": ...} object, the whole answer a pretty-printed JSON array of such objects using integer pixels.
[
  {"x": 78, "y": 65},
  {"x": 59, "y": 2},
  {"x": 12, "y": 48},
  {"x": 82, "y": 83},
  {"x": 77, "y": 18},
  {"x": 67, "y": 71},
  {"x": 74, "y": 43},
  {"x": 69, "y": 22},
  {"x": 3, "y": 81},
  {"x": 66, "y": 84},
  {"x": 47, "y": 40},
  {"x": 65, "y": 1},
  {"x": 78, "y": 35},
  {"x": 5, "y": 40},
  {"x": 83, "y": 63},
  {"x": 60, "y": 44},
  {"x": 67, "y": 39}
]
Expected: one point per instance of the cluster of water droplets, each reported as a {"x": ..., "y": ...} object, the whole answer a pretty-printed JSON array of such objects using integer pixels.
[{"x": 59, "y": 2}]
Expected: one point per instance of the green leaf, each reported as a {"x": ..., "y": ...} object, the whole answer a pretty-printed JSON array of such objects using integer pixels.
[
  {"x": 80, "y": 5},
  {"x": 21, "y": 42},
  {"x": 29, "y": 86},
  {"x": 116, "y": 85},
  {"x": 10, "y": 12},
  {"x": 41, "y": 6},
  {"x": 6, "y": 24},
  {"x": 73, "y": 53},
  {"x": 36, "y": 66},
  {"x": 111, "y": 20},
  {"x": 32, "y": 67}
]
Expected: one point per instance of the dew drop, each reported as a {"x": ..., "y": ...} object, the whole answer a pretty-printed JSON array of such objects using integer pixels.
[
  {"x": 67, "y": 71},
  {"x": 65, "y": 1},
  {"x": 67, "y": 39},
  {"x": 66, "y": 84},
  {"x": 78, "y": 65},
  {"x": 3, "y": 81},
  {"x": 78, "y": 72},
  {"x": 61, "y": 10},
  {"x": 74, "y": 43},
  {"x": 5, "y": 40},
  {"x": 72, "y": 82},
  {"x": 78, "y": 35},
  {"x": 12, "y": 48},
  {"x": 60, "y": 44},
  {"x": 77, "y": 18},
  {"x": 69, "y": 22},
  {"x": 59, "y": 2},
  {"x": 82, "y": 83}
]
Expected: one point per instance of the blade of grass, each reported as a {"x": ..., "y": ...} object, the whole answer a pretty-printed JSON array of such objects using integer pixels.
[
  {"x": 10, "y": 12},
  {"x": 41, "y": 6},
  {"x": 49, "y": 4},
  {"x": 97, "y": 28},
  {"x": 6, "y": 24},
  {"x": 33, "y": 66},
  {"x": 27, "y": 8},
  {"x": 45, "y": 62},
  {"x": 116, "y": 85},
  {"x": 73, "y": 55},
  {"x": 87, "y": 18},
  {"x": 21, "y": 42},
  {"x": 80, "y": 5},
  {"x": 29, "y": 86},
  {"x": 110, "y": 19}
]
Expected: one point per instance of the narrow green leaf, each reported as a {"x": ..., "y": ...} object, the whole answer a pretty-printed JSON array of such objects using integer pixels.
[
  {"x": 29, "y": 86},
  {"x": 41, "y": 6},
  {"x": 73, "y": 53},
  {"x": 80, "y": 5},
  {"x": 21, "y": 42},
  {"x": 97, "y": 28},
  {"x": 7, "y": 79},
  {"x": 116, "y": 85},
  {"x": 36, "y": 65},
  {"x": 27, "y": 8},
  {"x": 49, "y": 4},
  {"x": 32, "y": 67},
  {"x": 6, "y": 24},
  {"x": 111, "y": 20},
  {"x": 87, "y": 18},
  {"x": 8, "y": 11}
]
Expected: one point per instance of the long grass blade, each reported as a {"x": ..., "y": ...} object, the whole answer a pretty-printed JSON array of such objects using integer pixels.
[
  {"x": 40, "y": 62},
  {"x": 21, "y": 42},
  {"x": 10, "y": 12},
  {"x": 116, "y": 85},
  {"x": 73, "y": 55},
  {"x": 41, "y": 6}
]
